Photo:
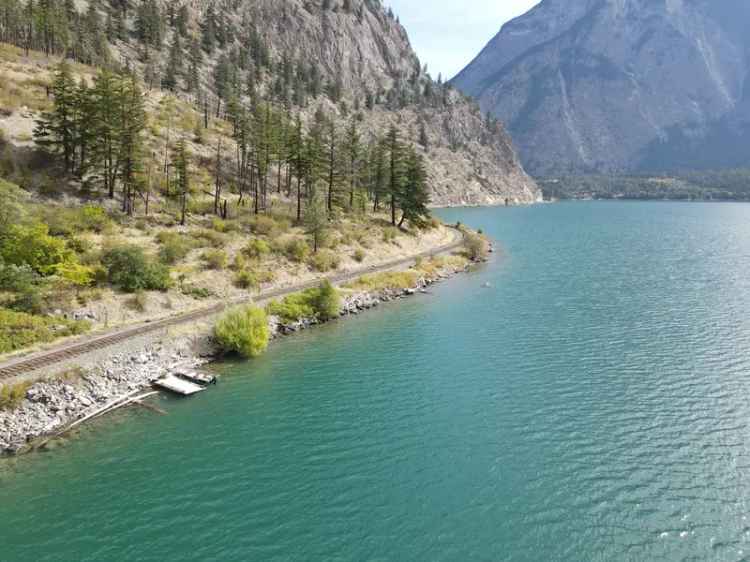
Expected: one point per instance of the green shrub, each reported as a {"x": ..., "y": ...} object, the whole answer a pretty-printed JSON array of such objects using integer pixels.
[
  {"x": 324, "y": 260},
  {"x": 296, "y": 250},
  {"x": 215, "y": 259},
  {"x": 245, "y": 279},
  {"x": 263, "y": 225},
  {"x": 19, "y": 330},
  {"x": 211, "y": 238},
  {"x": 477, "y": 247},
  {"x": 70, "y": 221},
  {"x": 359, "y": 255},
  {"x": 326, "y": 301},
  {"x": 128, "y": 269},
  {"x": 256, "y": 249},
  {"x": 243, "y": 330},
  {"x": 292, "y": 308},
  {"x": 12, "y": 395},
  {"x": 33, "y": 246},
  {"x": 93, "y": 217},
  {"x": 174, "y": 247},
  {"x": 199, "y": 293},
  {"x": 322, "y": 303}
]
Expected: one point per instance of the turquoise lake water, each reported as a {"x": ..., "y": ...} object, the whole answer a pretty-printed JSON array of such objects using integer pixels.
[{"x": 593, "y": 403}]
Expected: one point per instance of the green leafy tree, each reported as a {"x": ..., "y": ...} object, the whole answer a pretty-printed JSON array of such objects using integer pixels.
[{"x": 243, "y": 330}]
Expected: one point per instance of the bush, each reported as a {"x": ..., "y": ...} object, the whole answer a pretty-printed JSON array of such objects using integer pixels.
[
  {"x": 211, "y": 238},
  {"x": 129, "y": 270},
  {"x": 246, "y": 280},
  {"x": 476, "y": 246},
  {"x": 243, "y": 330},
  {"x": 326, "y": 301},
  {"x": 19, "y": 330},
  {"x": 322, "y": 303},
  {"x": 12, "y": 395},
  {"x": 324, "y": 260},
  {"x": 174, "y": 247},
  {"x": 33, "y": 246},
  {"x": 359, "y": 255},
  {"x": 256, "y": 249},
  {"x": 93, "y": 217},
  {"x": 293, "y": 308},
  {"x": 199, "y": 293},
  {"x": 71, "y": 221},
  {"x": 296, "y": 250},
  {"x": 215, "y": 259},
  {"x": 262, "y": 225}
]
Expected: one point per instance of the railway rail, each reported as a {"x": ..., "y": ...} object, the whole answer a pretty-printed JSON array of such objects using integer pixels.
[{"x": 28, "y": 364}]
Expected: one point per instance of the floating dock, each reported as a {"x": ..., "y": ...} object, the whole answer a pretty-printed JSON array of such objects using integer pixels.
[{"x": 179, "y": 385}]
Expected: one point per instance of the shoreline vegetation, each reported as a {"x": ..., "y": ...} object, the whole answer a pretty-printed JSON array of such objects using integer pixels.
[
  {"x": 32, "y": 414},
  {"x": 705, "y": 186}
]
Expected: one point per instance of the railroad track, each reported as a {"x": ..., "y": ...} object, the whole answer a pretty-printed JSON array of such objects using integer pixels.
[{"x": 24, "y": 365}]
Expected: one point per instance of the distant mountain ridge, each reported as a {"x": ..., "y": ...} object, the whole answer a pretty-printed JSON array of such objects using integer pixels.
[{"x": 621, "y": 85}]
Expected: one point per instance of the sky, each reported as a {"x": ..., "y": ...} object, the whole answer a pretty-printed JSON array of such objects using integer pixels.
[{"x": 448, "y": 34}]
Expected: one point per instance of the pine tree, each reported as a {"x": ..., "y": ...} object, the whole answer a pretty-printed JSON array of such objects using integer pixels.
[
  {"x": 131, "y": 124},
  {"x": 57, "y": 129},
  {"x": 397, "y": 170},
  {"x": 415, "y": 197}
]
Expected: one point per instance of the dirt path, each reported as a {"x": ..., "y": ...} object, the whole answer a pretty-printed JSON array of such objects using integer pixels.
[{"x": 31, "y": 362}]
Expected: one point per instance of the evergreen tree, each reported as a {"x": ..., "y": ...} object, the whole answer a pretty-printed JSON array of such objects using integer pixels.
[
  {"x": 57, "y": 129},
  {"x": 415, "y": 197},
  {"x": 397, "y": 170}
]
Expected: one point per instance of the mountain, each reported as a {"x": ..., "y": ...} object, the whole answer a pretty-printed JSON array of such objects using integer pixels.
[
  {"x": 344, "y": 57},
  {"x": 621, "y": 85}
]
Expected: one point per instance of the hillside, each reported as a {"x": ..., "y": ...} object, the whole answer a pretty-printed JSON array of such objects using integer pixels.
[
  {"x": 350, "y": 57},
  {"x": 620, "y": 86}
]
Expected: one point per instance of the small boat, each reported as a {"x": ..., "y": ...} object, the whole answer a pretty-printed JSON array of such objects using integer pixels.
[{"x": 201, "y": 379}]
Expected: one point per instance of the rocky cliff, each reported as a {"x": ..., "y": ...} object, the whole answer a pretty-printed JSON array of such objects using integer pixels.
[
  {"x": 620, "y": 85},
  {"x": 359, "y": 49}
]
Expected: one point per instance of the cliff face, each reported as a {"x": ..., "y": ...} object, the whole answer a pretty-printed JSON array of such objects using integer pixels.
[
  {"x": 620, "y": 85},
  {"x": 370, "y": 51},
  {"x": 360, "y": 47}
]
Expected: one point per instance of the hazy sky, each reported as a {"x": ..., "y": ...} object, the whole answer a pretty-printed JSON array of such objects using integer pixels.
[{"x": 448, "y": 34}]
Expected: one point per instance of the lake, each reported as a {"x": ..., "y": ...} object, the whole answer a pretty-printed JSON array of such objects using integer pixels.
[{"x": 584, "y": 396}]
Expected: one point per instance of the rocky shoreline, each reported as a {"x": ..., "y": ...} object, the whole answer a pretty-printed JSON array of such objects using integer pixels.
[{"x": 51, "y": 405}]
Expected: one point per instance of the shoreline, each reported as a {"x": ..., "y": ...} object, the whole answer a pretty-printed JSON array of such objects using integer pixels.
[{"x": 51, "y": 405}]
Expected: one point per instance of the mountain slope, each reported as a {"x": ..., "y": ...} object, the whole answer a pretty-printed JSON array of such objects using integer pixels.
[
  {"x": 620, "y": 85},
  {"x": 342, "y": 56}
]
